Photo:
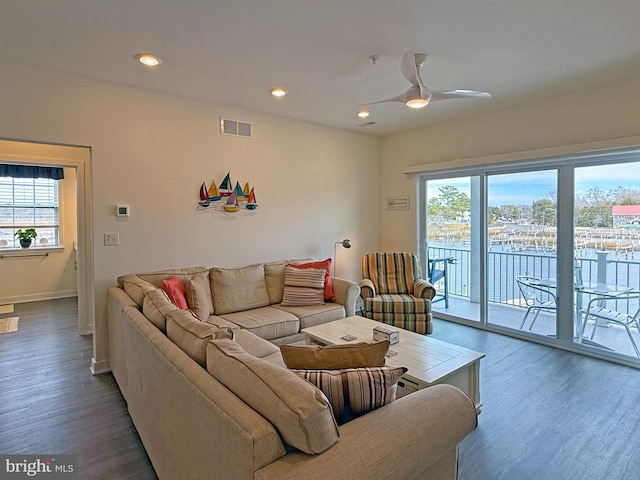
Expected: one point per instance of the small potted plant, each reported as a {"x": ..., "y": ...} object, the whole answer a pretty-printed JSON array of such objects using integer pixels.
[{"x": 26, "y": 236}]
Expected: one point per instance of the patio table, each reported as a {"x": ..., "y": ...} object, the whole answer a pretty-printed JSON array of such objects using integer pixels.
[{"x": 589, "y": 288}]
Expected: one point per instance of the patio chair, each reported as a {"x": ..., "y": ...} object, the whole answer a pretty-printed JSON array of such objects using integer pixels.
[
  {"x": 393, "y": 292},
  {"x": 438, "y": 269},
  {"x": 537, "y": 296},
  {"x": 597, "y": 310}
]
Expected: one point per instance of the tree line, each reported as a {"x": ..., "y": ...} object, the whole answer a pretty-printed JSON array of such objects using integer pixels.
[{"x": 593, "y": 209}]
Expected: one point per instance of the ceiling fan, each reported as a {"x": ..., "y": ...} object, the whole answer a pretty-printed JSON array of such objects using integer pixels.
[{"x": 418, "y": 95}]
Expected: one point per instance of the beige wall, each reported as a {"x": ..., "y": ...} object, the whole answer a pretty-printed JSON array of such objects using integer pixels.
[
  {"x": 315, "y": 185},
  {"x": 40, "y": 278},
  {"x": 604, "y": 112}
]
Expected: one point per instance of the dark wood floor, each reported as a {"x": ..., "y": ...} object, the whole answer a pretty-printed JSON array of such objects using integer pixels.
[
  {"x": 50, "y": 403},
  {"x": 547, "y": 414}
]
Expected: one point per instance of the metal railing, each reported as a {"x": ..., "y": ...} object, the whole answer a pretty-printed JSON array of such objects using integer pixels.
[{"x": 503, "y": 267}]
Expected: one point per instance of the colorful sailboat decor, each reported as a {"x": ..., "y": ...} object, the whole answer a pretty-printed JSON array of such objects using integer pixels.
[
  {"x": 225, "y": 187},
  {"x": 226, "y": 197},
  {"x": 214, "y": 194},
  {"x": 232, "y": 203},
  {"x": 204, "y": 196},
  {"x": 239, "y": 192},
  {"x": 251, "y": 201}
]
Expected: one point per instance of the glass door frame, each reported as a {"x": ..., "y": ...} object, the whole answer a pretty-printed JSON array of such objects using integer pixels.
[{"x": 565, "y": 166}]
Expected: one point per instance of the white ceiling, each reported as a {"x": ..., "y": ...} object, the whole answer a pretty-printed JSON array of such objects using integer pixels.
[{"x": 231, "y": 53}]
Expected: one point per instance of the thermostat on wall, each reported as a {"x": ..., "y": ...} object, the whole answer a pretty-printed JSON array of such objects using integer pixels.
[{"x": 122, "y": 210}]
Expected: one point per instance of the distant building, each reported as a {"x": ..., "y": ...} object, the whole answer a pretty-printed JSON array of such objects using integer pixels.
[{"x": 625, "y": 215}]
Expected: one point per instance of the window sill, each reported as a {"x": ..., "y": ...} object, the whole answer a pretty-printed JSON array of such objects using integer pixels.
[{"x": 29, "y": 252}]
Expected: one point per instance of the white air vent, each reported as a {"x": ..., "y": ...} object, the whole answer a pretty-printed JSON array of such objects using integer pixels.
[{"x": 235, "y": 128}]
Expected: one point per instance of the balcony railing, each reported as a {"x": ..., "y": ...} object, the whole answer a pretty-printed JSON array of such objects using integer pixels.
[{"x": 503, "y": 267}]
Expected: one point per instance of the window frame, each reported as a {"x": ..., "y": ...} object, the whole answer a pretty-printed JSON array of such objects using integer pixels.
[{"x": 49, "y": 201}]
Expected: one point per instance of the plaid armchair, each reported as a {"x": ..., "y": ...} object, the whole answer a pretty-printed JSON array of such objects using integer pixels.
[{"x": 394, "y": 293}]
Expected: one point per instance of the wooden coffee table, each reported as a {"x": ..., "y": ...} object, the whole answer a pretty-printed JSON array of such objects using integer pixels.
[{"x": 429, "y": 361}]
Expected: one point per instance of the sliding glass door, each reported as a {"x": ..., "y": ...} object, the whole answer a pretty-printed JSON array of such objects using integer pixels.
[
  {"x": 451, "y": 258},
  {"x": 521, "y": 251},
  {"x": 607, "y": 257},
  {"x": 550, "y": 253}
]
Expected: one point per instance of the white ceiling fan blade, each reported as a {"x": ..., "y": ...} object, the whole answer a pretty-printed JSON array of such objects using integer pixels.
[
  {"x": 410, "y": 66},
  {"x": 397, "y": 98},
  {"x": 414, "y": 92},
  {"x": 446, "y": 94}
]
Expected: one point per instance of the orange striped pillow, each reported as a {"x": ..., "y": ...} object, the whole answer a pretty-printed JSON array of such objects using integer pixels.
[{"x": 303, "y": 287}]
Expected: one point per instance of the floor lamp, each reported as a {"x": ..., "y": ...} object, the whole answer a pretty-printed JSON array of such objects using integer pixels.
[{"x": 346, "y": 243}]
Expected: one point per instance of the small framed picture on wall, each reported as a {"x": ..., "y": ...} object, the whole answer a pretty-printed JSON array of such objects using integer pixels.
[{"x": 398, "y": 203}]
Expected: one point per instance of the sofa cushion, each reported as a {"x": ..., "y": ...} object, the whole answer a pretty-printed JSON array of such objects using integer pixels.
[
  {"x": 184, "y": 274},
  {"x": 237, "y": 289},
  {"x": 355, "y": 391},
  {"x": 303, "y": 286},
  {"x": 266, "y": 322},
  {"x": 328, "y": 283},
  {"x": 190, "y": 334},
  {"x": 135, "y": 287},
  {"x": 220, "y": 322},
  {"x": 315, "y": 314},
  {"x": 331, "y": 357},
  {"x": 274, "y": 278},
  {"x": 156, "y": 306},
  {"x": 297, "y": 409},
  {"x": 254, "y": 345},
  {"x": 155, "y": 278},
  {"x": 174, "y": 289},
  {"x": 195, "y": 291}
]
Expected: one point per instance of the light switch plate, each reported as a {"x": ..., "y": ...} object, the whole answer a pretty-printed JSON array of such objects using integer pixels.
[{"x": 111, "y": 239}]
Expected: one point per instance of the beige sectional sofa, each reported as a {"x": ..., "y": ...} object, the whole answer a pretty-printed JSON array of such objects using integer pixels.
[{"x": 201, "y": 401}]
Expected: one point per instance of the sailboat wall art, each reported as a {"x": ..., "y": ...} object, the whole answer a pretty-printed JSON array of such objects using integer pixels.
[
  {"x": 251, "y": 201},
  {"x": 204, "y": 196},
  {"x": 214, "y": 194},
  {"x": 232, "y": 203},
  {"x": 226, "y": 198},
  {"x": 226, "y": 187},
  {"x": 239, "y": 192}
]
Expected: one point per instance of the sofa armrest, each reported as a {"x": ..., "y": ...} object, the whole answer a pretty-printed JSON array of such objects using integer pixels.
[
  {"x": 346, "y": 293},
  {"x": 423, "y": 289},
  {"x": 367, "y": 288},
  {"x": 399, "y": 440}
]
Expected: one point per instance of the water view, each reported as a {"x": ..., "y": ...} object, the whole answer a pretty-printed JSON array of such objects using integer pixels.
[{"x": 520, "y": 244}]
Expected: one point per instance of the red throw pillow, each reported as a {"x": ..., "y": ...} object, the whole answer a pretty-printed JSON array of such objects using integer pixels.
[
  {"x": 175, "y": 291},
  {"x": 328, "y": 283}
]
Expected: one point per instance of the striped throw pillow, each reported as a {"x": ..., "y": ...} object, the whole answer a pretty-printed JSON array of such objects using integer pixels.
[
  {"x": 355, "y": 390},
  {"x": 303, "y": 287}
]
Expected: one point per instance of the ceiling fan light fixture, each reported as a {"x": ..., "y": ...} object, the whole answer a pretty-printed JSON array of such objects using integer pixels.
[
  {"x": 417, "y": 103},
  {"x": 363, "y": 113},
  {"x": 148, "y": 59},
  {"x": 278, "y": 92}
]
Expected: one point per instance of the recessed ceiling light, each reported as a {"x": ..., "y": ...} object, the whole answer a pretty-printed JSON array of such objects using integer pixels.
[
  {"x": 278, "y": 92},
  {"x": 148, "y": 59},
  {"x": 363, "y": 113}
]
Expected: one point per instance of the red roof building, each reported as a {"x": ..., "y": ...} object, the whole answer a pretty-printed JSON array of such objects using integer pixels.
[{"x": 625, "y": 215}]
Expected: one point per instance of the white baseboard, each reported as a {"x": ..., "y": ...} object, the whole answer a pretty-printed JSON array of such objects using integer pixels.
[
  {"x": 37, "y": 297},
  {"x": 99, "y": 367},
  {"x": 87, "y": 331}
]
